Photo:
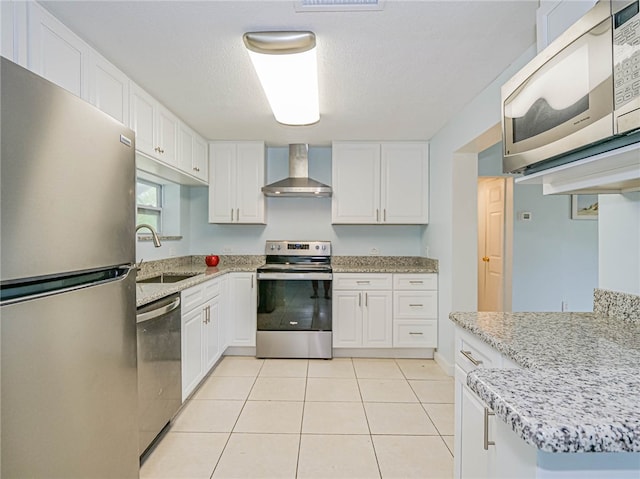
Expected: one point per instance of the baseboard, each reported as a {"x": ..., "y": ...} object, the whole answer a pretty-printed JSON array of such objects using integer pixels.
[
  {"x": 240, "y": 351},
  {"x": 400, "y": 353},
  {"x": 444, "y": 364}
]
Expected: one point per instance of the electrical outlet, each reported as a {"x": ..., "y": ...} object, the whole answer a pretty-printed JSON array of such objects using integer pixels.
[
  {"x": 172, "y": 251},
  {"x": 426, "y": 251},
  {"x": 374, "y": 252},
  {"x": 565, "y": 306},
  {"x": 227, "y": 250}
]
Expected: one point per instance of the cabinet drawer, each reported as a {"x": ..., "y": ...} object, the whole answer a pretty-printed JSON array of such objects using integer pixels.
[
  {"x": 471, "y": 353},
  {"x": 412, "y": 282},
  {"x": 361, "y": 281},
  {"x": 415, "y": 305},
  {"x": 211, "y": 289},
  {"x": 411, "y": 333},
  {"x": 192, "y": 297}
]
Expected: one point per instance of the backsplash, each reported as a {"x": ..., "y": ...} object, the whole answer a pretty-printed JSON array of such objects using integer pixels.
[{"x": 623, "y": 306}]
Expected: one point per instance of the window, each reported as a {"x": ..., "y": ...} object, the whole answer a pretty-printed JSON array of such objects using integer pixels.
[{"x": 149, "y": 203}]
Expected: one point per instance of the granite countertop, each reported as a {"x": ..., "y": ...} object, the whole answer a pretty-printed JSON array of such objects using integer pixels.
[
  {"x": 148, "y": 292},
  {"x": 579, "y": 390}
]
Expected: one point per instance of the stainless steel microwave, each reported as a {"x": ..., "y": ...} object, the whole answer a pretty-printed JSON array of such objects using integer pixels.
[{"x": 582, "y": 90}]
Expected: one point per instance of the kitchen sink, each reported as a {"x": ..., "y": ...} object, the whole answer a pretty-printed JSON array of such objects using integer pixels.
[{"x": 167, "y": 278}]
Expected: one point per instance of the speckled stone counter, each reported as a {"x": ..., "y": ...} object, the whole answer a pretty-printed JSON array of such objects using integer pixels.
[
  {"x": 383, "y": 264},
  {"x": 148, "y": 292},
  {"x": 579, "y": 390}
]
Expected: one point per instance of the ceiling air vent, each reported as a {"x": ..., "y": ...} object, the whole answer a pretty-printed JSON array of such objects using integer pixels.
[{"x": 338, "y": 5}]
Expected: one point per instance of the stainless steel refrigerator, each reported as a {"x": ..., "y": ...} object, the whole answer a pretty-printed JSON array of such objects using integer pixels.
[{"x": 67, "y": 306}]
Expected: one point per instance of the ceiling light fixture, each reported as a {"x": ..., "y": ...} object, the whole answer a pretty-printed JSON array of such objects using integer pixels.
[{"x": 287, "y": 67}]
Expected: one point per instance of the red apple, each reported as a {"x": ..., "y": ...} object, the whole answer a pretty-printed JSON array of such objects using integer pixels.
[{"x": 212, "y": 260}]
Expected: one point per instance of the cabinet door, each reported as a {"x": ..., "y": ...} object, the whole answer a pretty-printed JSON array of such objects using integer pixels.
[
  {"x": 211, "y": 340},
  {"x": 377, "y": 323},
  {"x": 405, "y": 183},
  {"x": 222, "y": 173},
  {"x": 108, "y": 88},
  {"x": 476, "y": 461},
  {"x": 199, "y": 162},
  {"x": 185, "y": 149},
  {"x": 192, "y": 344},
  {"x": 242, "y": 309},
  {"x": 249, "y": 181},
  {"x": 167, "y": 136},
  {"x": 54, "y": 52},
  {"x": 142, "y": 117},
  {"x": 356, "y": 183},
  {"x": 223, "y": 301},
  {"x": 347, "y": 319}
]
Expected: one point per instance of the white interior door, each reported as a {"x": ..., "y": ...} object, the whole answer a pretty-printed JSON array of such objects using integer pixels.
[{"x": 491, "y": 221}]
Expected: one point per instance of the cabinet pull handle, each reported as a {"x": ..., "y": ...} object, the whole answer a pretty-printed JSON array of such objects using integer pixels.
[
  {"x": 359, "y": 299},
  {"x": 232, "y": 215},
  {"x": 416, "y": 333},
  {"x": 384, "y": 215},
  {"x": 416, "y": 305},
  {"x": 416, "y": 281},
  {"x": 251, "y": 281},
  {"x": 469, "y": 356},
  {"x": 366, "y": 299},
  {"x": 238, "y": 214},
  {"x": 487, "y": 443},
  {"x": 377, "y": 215},
  {"x": 363, "y": 282}
]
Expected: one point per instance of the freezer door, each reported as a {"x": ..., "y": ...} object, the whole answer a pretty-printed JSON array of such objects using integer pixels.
[
  {"x": 69, "y": 384},
  {"x": 67, "y": 173}
]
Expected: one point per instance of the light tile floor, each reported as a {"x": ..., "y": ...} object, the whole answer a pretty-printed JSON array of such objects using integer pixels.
[{"x": 290, "y": 418}]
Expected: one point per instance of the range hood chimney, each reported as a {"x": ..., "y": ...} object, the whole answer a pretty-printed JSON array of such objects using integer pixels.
[{"x": 298, "y": 184}]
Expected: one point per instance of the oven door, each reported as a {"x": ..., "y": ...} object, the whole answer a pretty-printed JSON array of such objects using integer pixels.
[{"x": 294, "y": 301}]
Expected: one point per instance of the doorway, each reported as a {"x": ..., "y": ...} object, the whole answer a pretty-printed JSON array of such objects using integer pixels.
[{"x": 495, "y": 211}]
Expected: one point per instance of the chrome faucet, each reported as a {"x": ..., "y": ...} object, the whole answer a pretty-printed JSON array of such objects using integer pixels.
[{"x": 154, "y": 235}]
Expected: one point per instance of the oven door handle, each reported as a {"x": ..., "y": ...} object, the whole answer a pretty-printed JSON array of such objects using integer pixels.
[{"x": 297, "y": 276}]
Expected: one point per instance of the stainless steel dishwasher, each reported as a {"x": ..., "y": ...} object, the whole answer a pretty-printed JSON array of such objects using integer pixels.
[{"x": 159, "y": 367}]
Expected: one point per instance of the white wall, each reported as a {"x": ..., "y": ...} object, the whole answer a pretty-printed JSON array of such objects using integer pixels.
[
  {"x": 555, "y": 258},
  {"x": 449, "y": 180},
  {"x": 296, "y": 218},
  {"x": 619, "y": 237}
]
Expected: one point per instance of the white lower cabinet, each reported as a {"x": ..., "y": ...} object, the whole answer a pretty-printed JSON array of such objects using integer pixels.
[
  {"x": 415, "y": 310},
  {"x": 471, "y": 459},
  {"x": 242, "y": 307},
  {"x": 385, "y": 310},
  {"x": 362, "y": 310},
  {"x": 200, "y": 331}
]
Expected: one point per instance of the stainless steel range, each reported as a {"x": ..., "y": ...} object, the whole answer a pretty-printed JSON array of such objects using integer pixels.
[{"x": 294, "y": 300}]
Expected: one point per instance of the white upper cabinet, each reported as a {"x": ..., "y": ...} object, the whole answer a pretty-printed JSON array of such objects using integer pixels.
[
  {"x": 142, "y": 113},
  {"x": 355, "y": 183},
  {"x": 56, "y": 53},
  {"x": 156, "y": 127},
  {"x": 192, "y": 153},
  {"x": 380, "y": 183},
  {"x": 236, "y": 176},
  {"x": 555, "y": 16},
  {"x": 108, "y": 88},
  {"x": 405, "y": 183}
]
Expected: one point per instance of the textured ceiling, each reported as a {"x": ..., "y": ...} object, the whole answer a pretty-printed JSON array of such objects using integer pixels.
[{"x": 396, "y": 74}]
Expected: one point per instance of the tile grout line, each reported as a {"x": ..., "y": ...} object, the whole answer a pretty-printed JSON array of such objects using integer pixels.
[
  {"x": 304, "y": 403},
  {"x": 237, "y": 419}
]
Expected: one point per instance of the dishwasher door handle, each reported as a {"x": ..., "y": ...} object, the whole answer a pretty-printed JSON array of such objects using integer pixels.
[{"x": 142, "y": 317}]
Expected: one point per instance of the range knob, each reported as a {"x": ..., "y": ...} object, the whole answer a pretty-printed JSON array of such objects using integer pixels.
[
  {"x": 324, "y": 247},
  {"x": 318, "y": 247},
  {"x": 278, "y": 247}
]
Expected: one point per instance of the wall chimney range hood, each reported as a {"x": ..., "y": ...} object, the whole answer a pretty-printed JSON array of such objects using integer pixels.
[{"x": 298, "y": 184}]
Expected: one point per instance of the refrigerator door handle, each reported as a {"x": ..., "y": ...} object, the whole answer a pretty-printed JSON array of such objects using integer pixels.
[{"x": 15, "y": 293}]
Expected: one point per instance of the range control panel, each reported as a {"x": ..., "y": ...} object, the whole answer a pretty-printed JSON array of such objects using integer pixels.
[{"x": 298, "y": 248}]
